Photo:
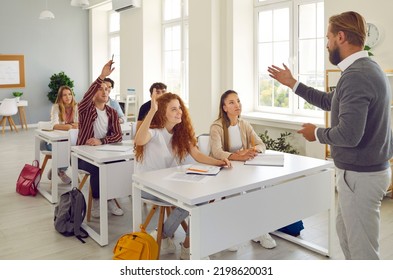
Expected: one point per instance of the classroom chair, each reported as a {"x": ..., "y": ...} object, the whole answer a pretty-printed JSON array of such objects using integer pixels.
[
  {"x": 8, "y": 108},
  {"x": 164, "y": 207}
]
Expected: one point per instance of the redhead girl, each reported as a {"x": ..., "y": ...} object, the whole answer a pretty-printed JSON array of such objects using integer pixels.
[{"x": 164, "y": 139}]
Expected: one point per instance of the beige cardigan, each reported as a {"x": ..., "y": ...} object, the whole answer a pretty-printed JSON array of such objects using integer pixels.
[{"x": 246, "y": 131}]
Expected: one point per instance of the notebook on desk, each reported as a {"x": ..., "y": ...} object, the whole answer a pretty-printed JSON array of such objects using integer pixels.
[
  {"x": 269, "y": 158},
  {"x": 114, "y": 148},
  {"x": 203, "y": 169}
]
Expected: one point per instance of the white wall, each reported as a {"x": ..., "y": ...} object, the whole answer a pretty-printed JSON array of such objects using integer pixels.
[
  {"x": 48, "y": 47},
  {"x": 376, "y": 11}
]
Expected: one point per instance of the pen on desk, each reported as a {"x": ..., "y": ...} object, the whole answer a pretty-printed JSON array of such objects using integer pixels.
[{"x": 196, "y": 170}]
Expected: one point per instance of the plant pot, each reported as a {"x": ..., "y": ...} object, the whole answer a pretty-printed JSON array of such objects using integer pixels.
[{"x": 17, "y": 98}]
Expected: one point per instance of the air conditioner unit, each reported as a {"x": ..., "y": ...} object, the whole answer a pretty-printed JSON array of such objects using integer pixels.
[{"x": 121, "y": 5}]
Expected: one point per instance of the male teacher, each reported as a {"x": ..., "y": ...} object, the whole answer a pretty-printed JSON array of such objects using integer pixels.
[{"x": 360, "y": 135}]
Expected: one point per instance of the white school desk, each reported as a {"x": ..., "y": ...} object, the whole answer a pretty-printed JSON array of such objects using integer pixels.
[
  {"x": 22, "y": 113},
  {"x": 60, "y": 141},
  {"x": 115, "y": 169},
  {"x": 259, "y": 199}
]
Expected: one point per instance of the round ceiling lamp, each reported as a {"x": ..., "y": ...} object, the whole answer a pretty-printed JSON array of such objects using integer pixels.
[{"x": 46, "y": 14}]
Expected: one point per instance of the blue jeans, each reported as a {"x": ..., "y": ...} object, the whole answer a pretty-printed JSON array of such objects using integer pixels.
[{"x": 45, "y": 146}]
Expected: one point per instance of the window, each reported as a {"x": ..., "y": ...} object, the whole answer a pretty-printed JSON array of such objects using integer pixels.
[
  {"x": 175, "y": 46},
  {"x": 290, "y": 32},
  {"x": 114, "y": 48}
]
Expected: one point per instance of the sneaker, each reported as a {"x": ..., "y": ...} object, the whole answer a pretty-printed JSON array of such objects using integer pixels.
[
  {"x": 167, "y": 245},
  {"x": 49, "y": 175},
  {"x": 115, "y": 210},
  {"x": 266, "y": 241},
  {"x": 185, "y": 253},
  {"x": 95, "y": 208},
  {"x": 64, "y": 178}
]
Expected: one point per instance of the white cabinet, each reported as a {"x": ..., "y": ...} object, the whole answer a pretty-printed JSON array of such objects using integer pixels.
[{"x": 131, "y": 109}]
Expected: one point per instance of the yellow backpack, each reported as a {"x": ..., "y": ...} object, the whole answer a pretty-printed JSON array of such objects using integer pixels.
[{"x": 136, "y": 246}]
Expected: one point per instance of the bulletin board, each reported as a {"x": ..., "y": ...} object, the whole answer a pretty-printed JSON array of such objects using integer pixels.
[{"x": 12, "y": 71}]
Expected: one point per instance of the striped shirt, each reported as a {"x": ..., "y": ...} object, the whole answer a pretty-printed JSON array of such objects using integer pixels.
[{"x": 88, "y": 114}]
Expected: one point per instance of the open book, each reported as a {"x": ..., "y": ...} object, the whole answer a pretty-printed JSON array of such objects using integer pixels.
[
  {"x": 269, "y": 158},
  {"x": 203, "y": 169}
]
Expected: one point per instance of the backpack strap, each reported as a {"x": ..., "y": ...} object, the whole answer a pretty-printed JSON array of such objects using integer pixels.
[{"x": 79, "y": 214}]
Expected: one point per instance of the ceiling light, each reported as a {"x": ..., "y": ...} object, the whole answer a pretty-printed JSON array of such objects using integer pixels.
[
  {"x": 46, "y": 14},
  {"x": 80, "y": 3}
]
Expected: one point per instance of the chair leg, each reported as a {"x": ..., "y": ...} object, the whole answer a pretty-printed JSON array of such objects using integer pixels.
[
  {"x": 84, "y": 179},
  {"x": 46, "y": 158},
  {"x": 160, "y": 228},
  {"x": 89, "y": 203},
  {"x": 149, "y": 216},
  {"x": 3, "y": 120},
  {"x": 12, "y": 124}
]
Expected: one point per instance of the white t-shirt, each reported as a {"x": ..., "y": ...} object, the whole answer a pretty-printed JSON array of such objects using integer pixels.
[
  {"x": 100, "y": 124},
  {"x": 157, "y": 152},
  {"x": 235, "y": 139}
]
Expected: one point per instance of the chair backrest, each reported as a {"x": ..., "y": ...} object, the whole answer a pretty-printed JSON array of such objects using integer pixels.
[
  {"x": 204, "y": 143},
  {"x": 8, "y": 107}
]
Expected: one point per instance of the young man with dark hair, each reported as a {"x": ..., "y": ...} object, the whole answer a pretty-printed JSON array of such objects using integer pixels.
[
  {"x": 98, "y": 125},
  {"x": 144, "y": 109}
]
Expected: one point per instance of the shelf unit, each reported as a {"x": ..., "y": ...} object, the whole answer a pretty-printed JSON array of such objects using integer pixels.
[{"x": 130, "y": 103}]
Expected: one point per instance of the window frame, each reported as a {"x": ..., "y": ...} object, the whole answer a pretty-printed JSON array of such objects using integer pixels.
[
  {"x": 183, "y": 22},
  {"x": 111, "y": 35},
  {"x": 293, "y": 62}
]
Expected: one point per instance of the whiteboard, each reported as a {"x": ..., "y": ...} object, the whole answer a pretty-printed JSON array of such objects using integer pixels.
[{"x": 12, "y": 71}]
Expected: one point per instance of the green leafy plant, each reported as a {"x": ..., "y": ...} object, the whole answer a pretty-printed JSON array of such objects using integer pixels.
[
  {"x": 280, "y": 144},
  {"x": 17, "y": 93},
  {"x": 56, "y": 81},
  {"x": 368, "y": 49}
]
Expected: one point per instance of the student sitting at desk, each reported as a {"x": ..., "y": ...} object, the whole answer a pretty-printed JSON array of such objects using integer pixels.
[
  {"x": 64, "y": 116},
  {"x": 234, "y": 138},
  {"x": 98, "y": 124},
  {"x": 112, "y": 102},
  {"x": 164, "y": 139},
  {"x": 160, "y": 89}
]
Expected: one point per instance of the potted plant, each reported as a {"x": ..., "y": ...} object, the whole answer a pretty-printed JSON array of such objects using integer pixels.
[
  {"x": 56, "y": 81},
  {"x": 280, "y": 144},
  {"x": 17, "y": 95}
]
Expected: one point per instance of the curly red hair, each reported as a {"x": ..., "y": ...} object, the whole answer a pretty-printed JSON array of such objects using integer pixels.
[{"x": 183, "y": 133}]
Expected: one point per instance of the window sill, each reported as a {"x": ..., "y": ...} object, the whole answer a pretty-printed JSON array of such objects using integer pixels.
[{"x": 280, "y": 120}]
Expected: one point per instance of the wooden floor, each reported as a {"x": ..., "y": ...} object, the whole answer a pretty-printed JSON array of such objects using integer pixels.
[{"x": 27, "y": 231}]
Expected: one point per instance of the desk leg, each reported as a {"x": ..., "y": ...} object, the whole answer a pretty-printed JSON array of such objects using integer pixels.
[
  {"x": 55, "y": 177},
  {"x": 195, "y": 234},
  {"x": 332, "y": 212},
  {"x": 103, "y": 206},
  {"x": 74, "y": 166},
  {"x": 22, "y": 117},
  {"x": 37, "y": 151},
  {"x": 136, "y": 207}
]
